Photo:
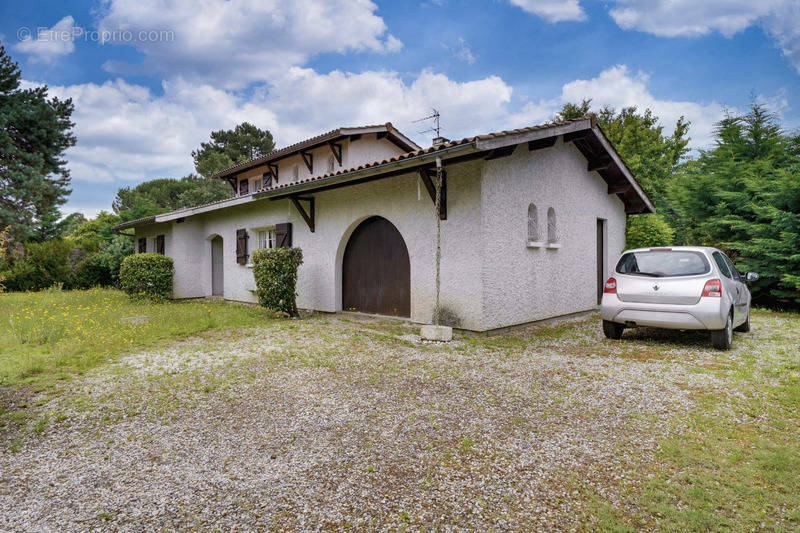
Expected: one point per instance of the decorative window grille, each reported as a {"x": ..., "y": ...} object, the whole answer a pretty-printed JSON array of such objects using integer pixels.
[
  {"x": 552, "y": 233},
  {"x": 533, "y": 224}
]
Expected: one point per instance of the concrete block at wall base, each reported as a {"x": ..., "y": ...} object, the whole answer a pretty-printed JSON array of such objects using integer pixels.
[{"x": 436, "y": 333}]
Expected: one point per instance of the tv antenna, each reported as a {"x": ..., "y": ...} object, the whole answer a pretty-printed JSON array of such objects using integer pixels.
[{"x": 436, "y": 128}]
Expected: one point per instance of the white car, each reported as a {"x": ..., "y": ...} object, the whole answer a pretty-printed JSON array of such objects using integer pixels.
[{"x": 681, "y": 287}]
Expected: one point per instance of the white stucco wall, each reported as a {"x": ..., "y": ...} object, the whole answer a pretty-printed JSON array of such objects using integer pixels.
[
  {"x": 490, "y": 277},
  {"x": 523, "y": 284}
]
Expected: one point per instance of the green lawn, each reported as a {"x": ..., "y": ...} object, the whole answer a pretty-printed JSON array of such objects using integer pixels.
[{"x": 53, "y": 335}]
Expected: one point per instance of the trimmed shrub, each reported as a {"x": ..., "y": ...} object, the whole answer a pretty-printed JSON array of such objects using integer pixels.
[
  {"x": 647, "y": 231},
  {"x": 275, "y": 271},
  {"x": 147, "y": 276}
]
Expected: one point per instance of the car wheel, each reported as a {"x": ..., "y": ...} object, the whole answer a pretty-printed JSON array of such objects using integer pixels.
[
  {"x": 612, "y": 330},
  {"x": 722, "y": 339},
  {"x": 744, "y": 327}
]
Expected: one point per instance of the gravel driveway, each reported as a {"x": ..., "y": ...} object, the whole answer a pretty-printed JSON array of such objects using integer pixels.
[{"x": 338, "y": 422}]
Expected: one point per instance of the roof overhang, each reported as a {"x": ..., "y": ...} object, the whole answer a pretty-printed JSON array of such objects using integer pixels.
[
  {"x": 387, "y": 131},
  {"x": 600, "y": 154},
  {"x": 585, "y": 134},
  {"x": 133, "y": 223}
]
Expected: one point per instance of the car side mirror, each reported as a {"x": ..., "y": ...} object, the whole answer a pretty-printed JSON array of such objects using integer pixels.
[{"x": 751, "y": 276}]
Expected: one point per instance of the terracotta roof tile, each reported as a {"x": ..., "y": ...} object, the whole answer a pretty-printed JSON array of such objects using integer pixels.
[{"x": 399, "y": 157}]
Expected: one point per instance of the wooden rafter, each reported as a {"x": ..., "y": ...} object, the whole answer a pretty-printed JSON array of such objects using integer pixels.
[
  {"x": 427, "y": 176},
  {"x": 273, "y": 171},
  {"x": 539, "y": 144},
  {"x": 602, "y": 163},
  {"x": 355, "y": 137},
  {"x": 619, "y": 188},
  {"x": 575, "y": 135},
  {"x": 336, "y": 148},
  {"x": 497, "y": 153},
  {"x": 266, "y": 179},
  {"x": 308, "y": 158},
  {"x": 309, "y": 215}
]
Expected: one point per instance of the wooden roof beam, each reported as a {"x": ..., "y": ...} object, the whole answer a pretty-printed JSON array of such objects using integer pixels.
[
  {"x": 308, "y": 216},
  {"x": 308, "y": 159},
  {"x": 336, "y": 149},
  {"x": 539, "y": 144}
]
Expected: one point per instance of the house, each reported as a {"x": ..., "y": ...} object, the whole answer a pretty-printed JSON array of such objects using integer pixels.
[{"x": 531, "y": 221}]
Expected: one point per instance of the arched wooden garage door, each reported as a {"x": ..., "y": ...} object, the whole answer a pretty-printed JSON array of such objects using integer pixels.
[{"x": 376, "y": 272}]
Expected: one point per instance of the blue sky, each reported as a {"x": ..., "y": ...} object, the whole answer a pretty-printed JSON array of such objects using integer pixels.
[{"x": 308, "y": 66}]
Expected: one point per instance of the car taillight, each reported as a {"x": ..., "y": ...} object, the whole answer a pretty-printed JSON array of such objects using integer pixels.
[
  {"x": 713, "y": 288},
  {"x": 610, "y": 286}
]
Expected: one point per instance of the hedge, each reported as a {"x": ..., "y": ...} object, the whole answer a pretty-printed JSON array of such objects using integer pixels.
[
  {"x": 648, "y": 231},
  {"x": 275, "y": 271},
  {"x": 147, "y": 276}
]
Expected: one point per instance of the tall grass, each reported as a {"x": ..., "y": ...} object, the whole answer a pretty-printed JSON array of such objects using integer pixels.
[{"x": 53, "y": 334}]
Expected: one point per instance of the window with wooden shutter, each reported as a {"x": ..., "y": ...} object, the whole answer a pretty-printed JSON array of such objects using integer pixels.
[
  {"x": 241, "y": 246},
  {"x": 160, "y": 244},
  {"x": 283, "y": 235},
  {"x": 244, "y": 187},
  {"x": 142, "y": 245}
]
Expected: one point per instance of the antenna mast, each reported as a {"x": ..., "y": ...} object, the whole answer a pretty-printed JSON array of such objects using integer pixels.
[{"x": 436, "y": 127}]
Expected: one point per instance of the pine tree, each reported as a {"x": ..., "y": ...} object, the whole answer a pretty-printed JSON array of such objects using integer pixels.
[
  {"x": 229, "y": 147},
  {"x": 744, "y": 196},
  {"x": 34, "y": 133}
]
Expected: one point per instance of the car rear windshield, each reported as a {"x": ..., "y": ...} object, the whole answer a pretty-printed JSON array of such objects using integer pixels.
[{"x": 663, "y": 263}]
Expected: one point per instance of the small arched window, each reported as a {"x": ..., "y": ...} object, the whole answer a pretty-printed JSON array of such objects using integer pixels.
[
  {"x": 533, "y": 224},
  {"x": 552, "y": 234}
]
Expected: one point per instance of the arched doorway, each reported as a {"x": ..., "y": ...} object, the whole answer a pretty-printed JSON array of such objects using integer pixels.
[
  {"x": 217, "y": 272},
  {"x": 376, "y": 271}
]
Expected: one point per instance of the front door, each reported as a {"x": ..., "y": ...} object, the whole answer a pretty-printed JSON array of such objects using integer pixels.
[
  {"x": 376, "y": 272},
  {"x": 601, "y": 258}
]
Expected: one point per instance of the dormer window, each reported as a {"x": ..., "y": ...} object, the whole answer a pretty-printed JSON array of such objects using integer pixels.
[
  {"x": 244, "y": 187},
  {"x": 257, "y": 184}
]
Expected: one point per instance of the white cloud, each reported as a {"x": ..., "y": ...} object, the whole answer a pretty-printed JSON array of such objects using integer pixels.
[
  {"x": 780, "y": 19},
  {"x": 463, "y": 52},
  {"x": 617, "y": 87},
  {"x": 234, "y": 43},
  {"x": 553, "y": 10},
  {"x": 672, "y": 18},
  {"x": 783, "y": 24},
  {"x": 690, "y": 18},
  {"x": 48, "y": 44},
  {"x": 126, "y": 133},
  {"x": 308, "y": 103}
]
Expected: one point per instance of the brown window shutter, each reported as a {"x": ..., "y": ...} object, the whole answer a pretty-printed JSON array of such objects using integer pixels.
[
  {"x": 283, "y": 235},
  {"x": 142, "y": 245},
  {"x": 160, "y": 244},
  {"x": 241, "y": 246},
  {"x": 244, "y": 186}
]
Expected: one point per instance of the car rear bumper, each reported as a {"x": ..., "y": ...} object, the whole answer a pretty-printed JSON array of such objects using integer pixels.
[{"x": 708, "y": 313}]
